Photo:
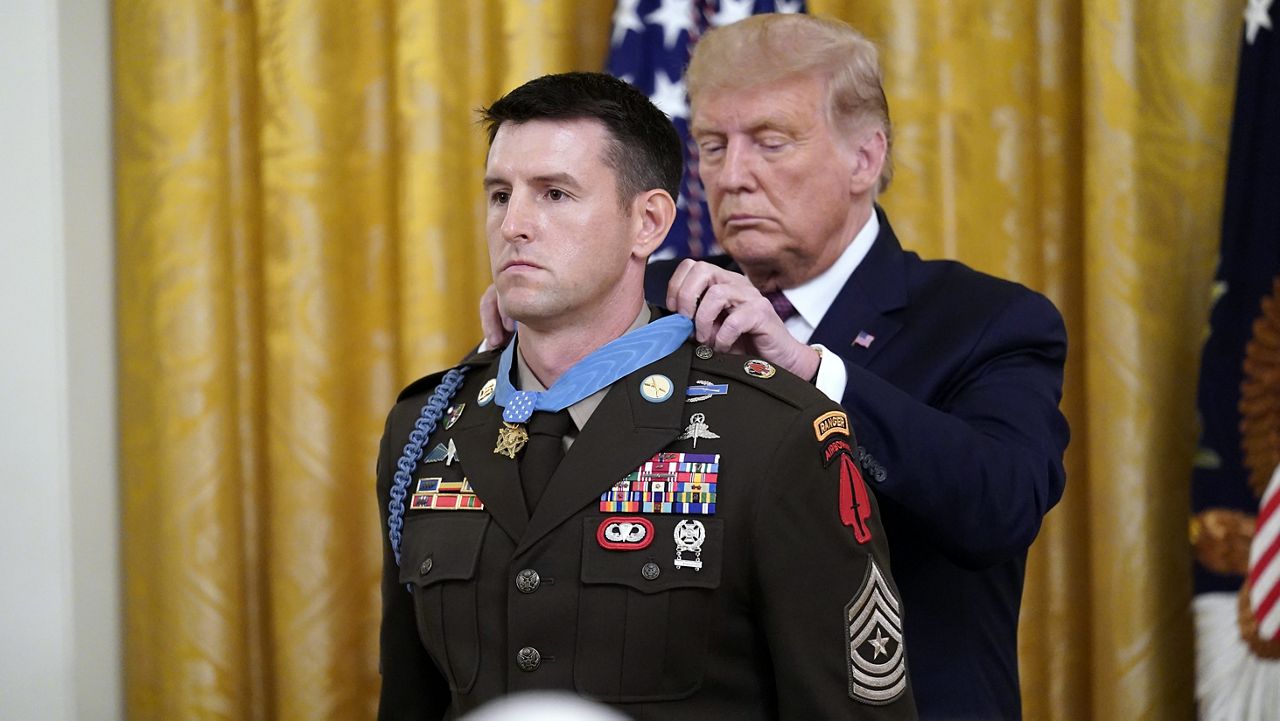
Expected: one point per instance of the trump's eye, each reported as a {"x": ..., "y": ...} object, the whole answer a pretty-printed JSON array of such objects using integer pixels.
[
  {"x": 774, "y": 142},
  {"x": 556, "y": 194},
  {"x": 499, "y": 197}
]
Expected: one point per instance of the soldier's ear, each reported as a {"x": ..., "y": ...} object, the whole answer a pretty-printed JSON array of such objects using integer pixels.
[
  {"x": 868, "y": 160},
  {"x": 652, "y": 213}
]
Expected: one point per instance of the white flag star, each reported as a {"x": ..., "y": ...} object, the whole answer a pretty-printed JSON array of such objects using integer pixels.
[
  {"x": 675, "y": 17},
  {"x": 1257, "y": 14},
  {"x": 625, "y": 20},
  {"x": 669, "y": 95},
  {"x": 731, "y": 11}
]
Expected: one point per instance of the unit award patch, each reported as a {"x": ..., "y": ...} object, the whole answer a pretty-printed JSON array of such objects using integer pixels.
[
  {"x": 873, "y": 630},
  {"x": 442, "y": 495}
]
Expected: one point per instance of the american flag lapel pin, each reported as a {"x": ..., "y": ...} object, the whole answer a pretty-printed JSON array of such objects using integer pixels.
[{"x": 864, "y": 339}]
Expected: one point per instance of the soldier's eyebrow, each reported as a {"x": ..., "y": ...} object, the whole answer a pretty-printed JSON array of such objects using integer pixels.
[
  {"x": 564, "y": 179},
  {"x": 557, "y": 179}
]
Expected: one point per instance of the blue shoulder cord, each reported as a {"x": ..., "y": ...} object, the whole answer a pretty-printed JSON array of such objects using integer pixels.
[{"x": 422, "y": 430}]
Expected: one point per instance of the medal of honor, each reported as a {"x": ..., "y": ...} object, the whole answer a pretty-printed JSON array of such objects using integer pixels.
[{"x": 511, "y": 438}]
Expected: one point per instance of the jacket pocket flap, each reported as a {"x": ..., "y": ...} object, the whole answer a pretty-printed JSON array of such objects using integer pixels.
[
  {"x": 441, "y": 546},
  {"x": 682, "y": 553}
]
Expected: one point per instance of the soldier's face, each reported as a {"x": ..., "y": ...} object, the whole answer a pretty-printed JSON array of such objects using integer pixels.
[
  {"x": 779, "y": 180},
  {"x": 559, "y": 240}
]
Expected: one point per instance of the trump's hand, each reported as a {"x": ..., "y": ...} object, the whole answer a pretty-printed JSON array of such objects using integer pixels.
[
  {"x": 730, "y": 314},
  {"x": 496, "y": 326}
]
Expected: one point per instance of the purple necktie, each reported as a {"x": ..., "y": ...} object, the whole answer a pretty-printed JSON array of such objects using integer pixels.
[{"x": 781, "y": 305}]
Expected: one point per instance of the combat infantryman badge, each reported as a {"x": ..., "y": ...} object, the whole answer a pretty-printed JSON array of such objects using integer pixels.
[
  {"x": 873, "y": 632},
  {"x": 697, "y": 428},
  {"x": 511, "y": 438},
  {"x": 689, "y": 536},
  {"x": 704, "y": 390}
]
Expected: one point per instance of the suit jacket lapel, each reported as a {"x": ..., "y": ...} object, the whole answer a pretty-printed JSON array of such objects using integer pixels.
[
  {"x": 624, "y": 431},
  {"x": 495, "y": 477},
  {"x": 877, "y": 287}
]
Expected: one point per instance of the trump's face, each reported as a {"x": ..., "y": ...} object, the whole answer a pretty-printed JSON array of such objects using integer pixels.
[{"x": 779, "y": 180}]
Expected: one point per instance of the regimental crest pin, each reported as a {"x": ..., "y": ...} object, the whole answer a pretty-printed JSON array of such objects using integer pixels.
[
  {"x": 453, "y": 414},
  {"x": 443, "y": 452},
  {"x": 697, "y": 428},
  {"x": 689, "y": 536},
  {"x": 873, "y": 633},
  {"x": 511, "y": 439},
  {"x": 758, "y": 368}
]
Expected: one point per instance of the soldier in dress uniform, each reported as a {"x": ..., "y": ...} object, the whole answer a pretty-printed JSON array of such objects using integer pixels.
[{"x": 605, "y": 507}]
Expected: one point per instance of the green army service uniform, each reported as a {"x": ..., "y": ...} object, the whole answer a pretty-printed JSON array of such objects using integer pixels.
[{"x": 705, "y": 550}]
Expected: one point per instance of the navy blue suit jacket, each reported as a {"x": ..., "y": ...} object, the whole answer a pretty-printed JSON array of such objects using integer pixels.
[{"x": 955, "y": 401}]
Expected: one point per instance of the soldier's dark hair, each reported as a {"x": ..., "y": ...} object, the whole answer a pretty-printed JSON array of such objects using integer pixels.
[{"x": 644, "y": 149}]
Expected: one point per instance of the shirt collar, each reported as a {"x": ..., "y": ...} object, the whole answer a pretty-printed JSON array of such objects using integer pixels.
[
  {"x": 581, "y": 411},
  {"x": 813, "y": 298}
]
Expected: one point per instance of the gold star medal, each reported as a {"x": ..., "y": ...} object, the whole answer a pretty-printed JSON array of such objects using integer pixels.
[{"x": 511, "y": 438}]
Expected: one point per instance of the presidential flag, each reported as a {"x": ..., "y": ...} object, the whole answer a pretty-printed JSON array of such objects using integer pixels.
[
  {"x": 1235, "y": 526},
  {"x": 649, "y": 48}
]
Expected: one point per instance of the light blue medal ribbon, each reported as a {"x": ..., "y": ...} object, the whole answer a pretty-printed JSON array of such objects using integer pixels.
[{"x": 607, "y": 364}]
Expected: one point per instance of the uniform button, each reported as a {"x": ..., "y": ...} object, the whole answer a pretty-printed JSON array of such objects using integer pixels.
[
  {"x": 528, "y": 580},
  {"x": 528, "y": 659},
  {"x": 425, "y": 567},
  {"x": 704, "y": 352},
  {"x": 650, "y": 571}
]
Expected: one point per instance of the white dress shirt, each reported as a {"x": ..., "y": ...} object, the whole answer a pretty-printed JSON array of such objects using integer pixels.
[{"x": 814, "y": 298}]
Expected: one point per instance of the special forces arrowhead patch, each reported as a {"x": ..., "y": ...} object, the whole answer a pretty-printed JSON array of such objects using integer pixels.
[
  {"x": 873, "y": 631},
  {"x": 855, "y": 503}
]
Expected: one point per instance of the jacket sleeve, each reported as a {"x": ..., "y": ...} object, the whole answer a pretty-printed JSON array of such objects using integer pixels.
[
  {"x": 412, "y": 686},
  {"x": 978, "y": 466},
  {"x": 828, "y": 605}
]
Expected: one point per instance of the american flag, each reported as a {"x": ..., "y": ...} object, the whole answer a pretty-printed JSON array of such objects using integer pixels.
[
  {"x": 864, "y": 339},
  {"x": 1234, "y": 486},
  {"x": 649, "y": 48}
]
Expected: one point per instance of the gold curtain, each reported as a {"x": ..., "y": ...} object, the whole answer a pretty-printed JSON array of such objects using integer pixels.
[{"x": 299, "y": 234}]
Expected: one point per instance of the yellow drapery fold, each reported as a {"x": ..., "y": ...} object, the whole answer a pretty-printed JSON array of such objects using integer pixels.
[{"x": 300, "y": 234}]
